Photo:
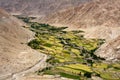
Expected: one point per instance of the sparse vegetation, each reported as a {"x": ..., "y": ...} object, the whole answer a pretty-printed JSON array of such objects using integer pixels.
[{"x": 25, "y": 19}]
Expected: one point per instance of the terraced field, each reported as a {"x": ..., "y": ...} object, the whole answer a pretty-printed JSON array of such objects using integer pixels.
[{"x": 70, "y": 54}]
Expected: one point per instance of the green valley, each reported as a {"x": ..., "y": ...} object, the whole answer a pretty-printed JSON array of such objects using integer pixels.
[{"x": 70, "y": 54}]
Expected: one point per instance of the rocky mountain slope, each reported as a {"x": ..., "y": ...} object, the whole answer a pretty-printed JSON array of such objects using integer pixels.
[
  {"x": 38, "y": 7},
  {"x": 110, "y": 50},
  {"x": 15, "y": 55},
  {"x": 99, "y": 18}
]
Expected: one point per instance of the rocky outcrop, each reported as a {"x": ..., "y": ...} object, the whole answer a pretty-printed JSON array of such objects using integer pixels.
[{"x": 110, "y": 50}]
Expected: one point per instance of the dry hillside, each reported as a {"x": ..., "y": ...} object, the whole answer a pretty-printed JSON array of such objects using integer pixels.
[
  {"x": 110, "y": 50},
  {"x": 15, "y": 56},
  {"x": 100, "y": 18},
  {"x": 38, "y": 7}
]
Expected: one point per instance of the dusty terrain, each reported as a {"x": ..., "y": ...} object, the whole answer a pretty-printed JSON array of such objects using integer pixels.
[
  {"x": 110, "y": 50},
  {"x": 15, "y": 55},
  {"x": 99, "y": 18},
  {"x": 38, "y": 8}
]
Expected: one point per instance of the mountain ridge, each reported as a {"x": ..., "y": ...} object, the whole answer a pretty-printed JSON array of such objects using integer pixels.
[
  {"x": 39, "y": 8},
  {"x": 94, "y": 14}
]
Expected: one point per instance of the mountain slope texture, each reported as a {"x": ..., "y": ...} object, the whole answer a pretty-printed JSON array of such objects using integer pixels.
[
  {"x": 99, "y": 18},
  {"x": 110, "y": 50},
  {"x": 15, "y": 56},
  {"x": 38, "y": 7}
]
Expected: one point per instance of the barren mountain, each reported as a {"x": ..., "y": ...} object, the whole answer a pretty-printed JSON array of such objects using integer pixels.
[
  {"x": 110, "y": 50},
  {"x": 99, "y": 18},
  {"x": 38, "y": 7},
  {"x": 15, "y": 55}
]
